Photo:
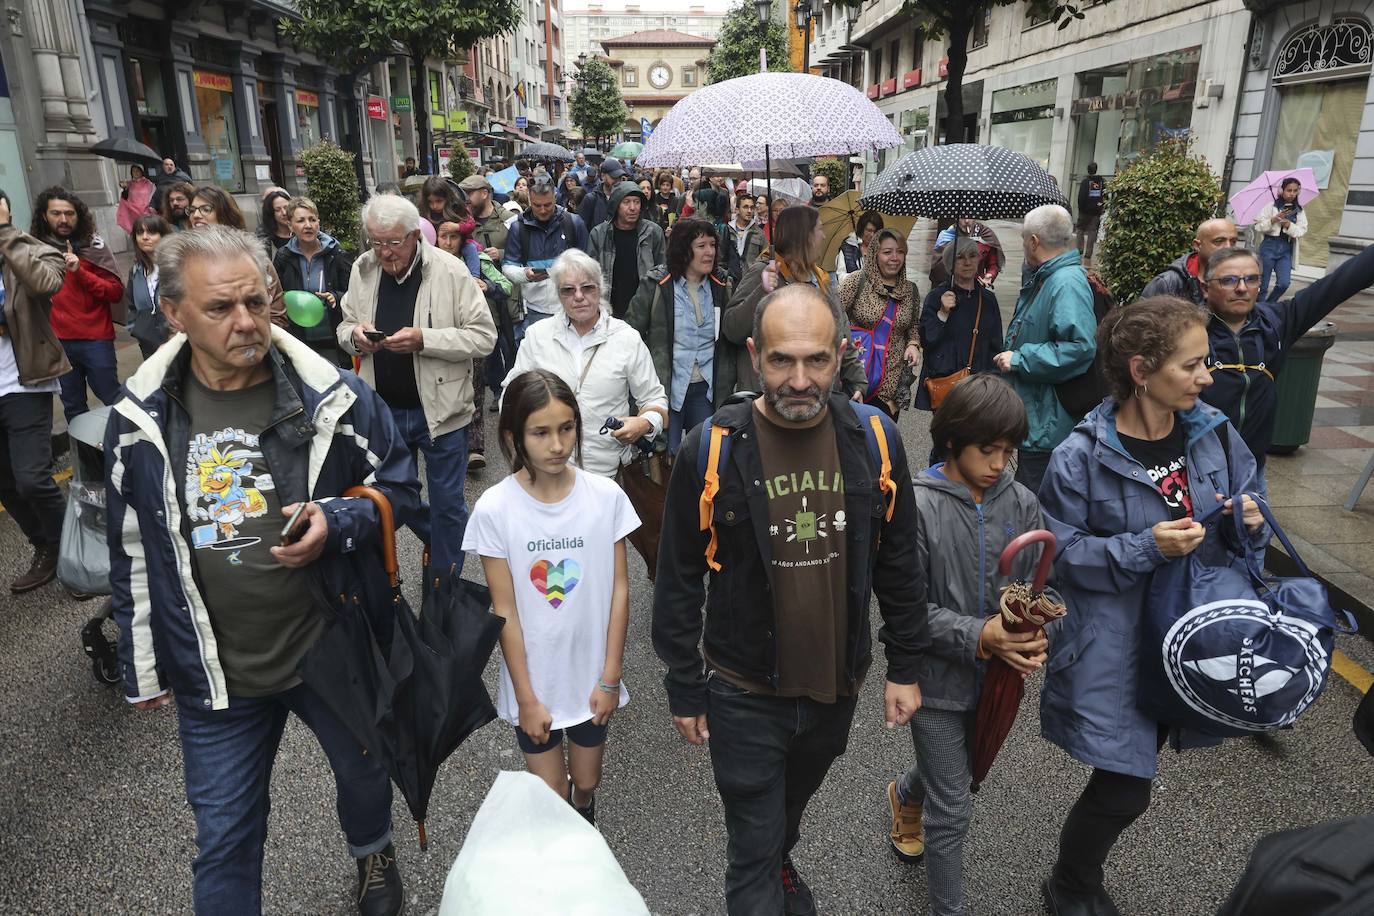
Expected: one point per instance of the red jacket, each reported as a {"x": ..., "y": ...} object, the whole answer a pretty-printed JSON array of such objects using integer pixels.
[{"x": 81, "y": 310}]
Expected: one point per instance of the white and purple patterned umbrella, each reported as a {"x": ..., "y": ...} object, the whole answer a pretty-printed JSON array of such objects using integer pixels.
[
  {"x": 962, "y": 180},
  {"x": 765, "y": 116}
]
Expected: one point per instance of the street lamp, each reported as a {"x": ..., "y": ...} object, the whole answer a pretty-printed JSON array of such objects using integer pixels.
[
  {"x": 765, "y": 9},
  {"x": 803, "y": 13}
]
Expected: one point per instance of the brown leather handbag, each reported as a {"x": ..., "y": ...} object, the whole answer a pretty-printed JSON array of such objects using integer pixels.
[{"x": 940, "y": 386}]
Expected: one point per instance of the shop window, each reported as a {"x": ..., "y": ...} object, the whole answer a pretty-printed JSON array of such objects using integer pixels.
[
  {"x": 1319, "y": 124},
  {"x": 149, "y": 100},
  {"x": 307, "y": 118},
  {"x": 1122, "y": 111},
  {"x": 629, "y": 76},
  {"x": 1023, "y": 119},
  {"x": 215, "y": 100}
]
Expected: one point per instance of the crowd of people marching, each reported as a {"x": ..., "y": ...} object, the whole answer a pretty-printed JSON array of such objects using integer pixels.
[{"x": 597, "y": 308}]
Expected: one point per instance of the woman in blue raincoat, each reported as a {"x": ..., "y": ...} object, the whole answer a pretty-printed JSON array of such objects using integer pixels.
[{"x": 1122, "y": 495}]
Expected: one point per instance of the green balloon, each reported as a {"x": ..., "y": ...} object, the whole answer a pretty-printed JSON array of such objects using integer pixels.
[{"x": 304, "y": 308}]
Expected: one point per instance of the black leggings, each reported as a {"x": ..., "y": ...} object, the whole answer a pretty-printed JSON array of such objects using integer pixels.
[{"x": 1110, "y": 803}]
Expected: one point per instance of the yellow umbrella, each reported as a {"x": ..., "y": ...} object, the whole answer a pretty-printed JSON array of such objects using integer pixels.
[{"x": 840, "y": 218}]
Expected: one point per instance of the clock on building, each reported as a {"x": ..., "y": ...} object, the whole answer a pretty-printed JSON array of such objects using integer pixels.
[{"x": 660, "y": 75}]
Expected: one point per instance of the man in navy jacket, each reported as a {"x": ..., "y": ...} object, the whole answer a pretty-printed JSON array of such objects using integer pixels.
[
  {"x": 219, "y": 439},
  {"x": 1248, "y": 341}
]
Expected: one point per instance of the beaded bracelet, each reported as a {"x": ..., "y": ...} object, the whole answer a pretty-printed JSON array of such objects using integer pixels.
[{"x": 609, "y": 688}]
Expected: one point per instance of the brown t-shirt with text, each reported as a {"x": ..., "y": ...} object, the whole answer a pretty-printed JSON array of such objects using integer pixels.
[{"x": 806, "y": 525}]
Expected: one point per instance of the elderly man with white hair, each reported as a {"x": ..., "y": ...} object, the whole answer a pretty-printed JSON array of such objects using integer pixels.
[
  {"x": 1051, "y": 337},
  {"x": 602, "y": 359},
  {"x": 417, "y": 319}
]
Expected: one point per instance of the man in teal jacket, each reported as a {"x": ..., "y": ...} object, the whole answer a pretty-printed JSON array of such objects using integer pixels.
[{"x": 1051, "y": 337}]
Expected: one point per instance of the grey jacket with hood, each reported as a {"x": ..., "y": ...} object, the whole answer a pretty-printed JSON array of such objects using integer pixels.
[
  {"x": 651, "y": 244},
  {"x": 958, "y": 544}
]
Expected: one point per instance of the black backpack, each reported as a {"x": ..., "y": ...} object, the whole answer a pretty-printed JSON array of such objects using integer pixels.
[
  {"x": 1081, "y": 394},
  {"x": 1326, "y": 870}
]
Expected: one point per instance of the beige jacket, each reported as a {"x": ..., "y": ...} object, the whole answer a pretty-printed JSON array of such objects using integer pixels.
[
  {"x": 33, "y": 273},
  {"x": 453, "y": 319}
]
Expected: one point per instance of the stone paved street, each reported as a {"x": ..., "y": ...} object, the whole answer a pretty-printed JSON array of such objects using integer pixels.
[{"x": 96, "y": 819}]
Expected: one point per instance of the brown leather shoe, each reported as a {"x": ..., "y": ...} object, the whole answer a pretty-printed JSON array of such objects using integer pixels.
[{"x": 42, "y": 571}]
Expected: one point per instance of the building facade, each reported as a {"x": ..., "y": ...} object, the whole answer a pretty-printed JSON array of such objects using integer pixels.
[
  {"x": 1308, "y": 101},
  {"x": 587, "y": 25},
  {"x": 656, "y": 70},
  {"x": 1104, "y": 89}
]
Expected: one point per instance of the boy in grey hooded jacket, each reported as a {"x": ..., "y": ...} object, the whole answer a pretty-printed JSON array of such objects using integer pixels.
[{"x": 969, "y": 507}]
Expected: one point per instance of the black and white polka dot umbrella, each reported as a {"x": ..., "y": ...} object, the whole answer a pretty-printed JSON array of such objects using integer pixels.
[{"x": 962, "y": 180}]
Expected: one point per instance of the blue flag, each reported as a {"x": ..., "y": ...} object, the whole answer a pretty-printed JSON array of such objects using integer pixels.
[
  {"x": 644, "y": 129},
  {"x": 503, "y": 182}
]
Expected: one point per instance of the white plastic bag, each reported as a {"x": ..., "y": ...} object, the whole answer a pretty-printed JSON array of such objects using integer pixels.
[{"x": 529, "y": 852}]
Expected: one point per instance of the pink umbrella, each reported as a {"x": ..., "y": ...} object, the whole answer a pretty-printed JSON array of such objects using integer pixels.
[{"x": 1258, "y": 194}]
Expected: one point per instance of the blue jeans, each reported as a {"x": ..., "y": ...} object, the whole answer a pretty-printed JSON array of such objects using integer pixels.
[
  {"x": 1276, "y": 257},
  {"x": 229, "y": 755},
  {"x": 696, "y": 408},
  {"x": 446, "y": 468},
  {"x": 93, "y": 361}
]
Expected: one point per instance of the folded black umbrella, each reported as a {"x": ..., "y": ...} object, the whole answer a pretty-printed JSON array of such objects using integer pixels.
[{"x": 410, "y": 690}]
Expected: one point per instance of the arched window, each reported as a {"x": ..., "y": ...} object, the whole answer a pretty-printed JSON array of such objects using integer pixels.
[{"x": 1345, "y": 43}]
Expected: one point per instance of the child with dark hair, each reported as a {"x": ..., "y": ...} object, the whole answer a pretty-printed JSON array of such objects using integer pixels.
[
  {"x": 552, "y": 541},
  {"x": 968, "y": 508}
]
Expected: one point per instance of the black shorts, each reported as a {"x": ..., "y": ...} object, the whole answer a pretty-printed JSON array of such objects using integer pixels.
[{"x": 584, "y": 734}]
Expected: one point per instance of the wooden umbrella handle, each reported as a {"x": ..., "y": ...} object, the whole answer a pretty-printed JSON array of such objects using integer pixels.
[
  {"x": 1020, "y": 543},
  {"x": 388, "y": 525}
]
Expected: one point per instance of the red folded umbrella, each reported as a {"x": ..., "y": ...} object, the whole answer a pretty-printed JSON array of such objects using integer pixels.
[{"x": 1024, "y": 608}]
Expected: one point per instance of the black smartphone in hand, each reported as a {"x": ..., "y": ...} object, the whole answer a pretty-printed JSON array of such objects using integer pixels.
[
  {"x": 375, "y": 336},
  {"x": 290, "y": 534}
]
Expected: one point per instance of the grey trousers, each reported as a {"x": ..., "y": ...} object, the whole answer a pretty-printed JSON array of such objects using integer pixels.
[{"x": 940, "y": 782}]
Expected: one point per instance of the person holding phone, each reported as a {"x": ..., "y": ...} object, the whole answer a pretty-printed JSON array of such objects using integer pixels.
[
  {"x": 534, "y": 241},
  {"x": 314, "y": 261},
  {"x": 435, "y": 322},
  {"x": 1280, "y": 223},
  {"x": 227, "y": 529}
]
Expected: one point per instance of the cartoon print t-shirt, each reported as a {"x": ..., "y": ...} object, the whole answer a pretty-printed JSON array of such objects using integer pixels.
[
  {"x": 1165, "y": 460},
  {"x": 806, "y": 527},
  {"x": 263, "y": 615},
  {"x": 562, "y": 562}
]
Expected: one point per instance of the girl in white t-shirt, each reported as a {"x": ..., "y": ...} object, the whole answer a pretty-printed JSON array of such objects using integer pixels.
[{"x": 552, "y": 542}]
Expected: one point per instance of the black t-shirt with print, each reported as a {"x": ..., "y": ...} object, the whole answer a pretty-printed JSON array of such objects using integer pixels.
[{"x": 1165, "y": 460}]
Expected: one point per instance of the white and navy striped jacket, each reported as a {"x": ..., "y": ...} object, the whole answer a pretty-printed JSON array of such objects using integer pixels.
[{"x": 329, "y": 431}]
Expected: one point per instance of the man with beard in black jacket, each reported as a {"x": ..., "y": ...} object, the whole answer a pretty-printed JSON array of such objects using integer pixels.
[{"x": 802, "y": 528}]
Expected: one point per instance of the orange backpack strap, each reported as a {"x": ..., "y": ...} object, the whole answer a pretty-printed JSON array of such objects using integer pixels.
[
  {"x": 711, "y": 457},
  {"x": 877, "y": 446}
]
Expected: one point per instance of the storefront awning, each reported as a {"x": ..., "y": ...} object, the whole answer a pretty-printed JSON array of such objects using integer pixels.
[{"x": 506, "y": 128}]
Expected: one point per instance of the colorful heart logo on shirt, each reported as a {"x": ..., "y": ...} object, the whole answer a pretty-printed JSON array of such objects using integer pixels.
[{"x": 555, "y": 580}]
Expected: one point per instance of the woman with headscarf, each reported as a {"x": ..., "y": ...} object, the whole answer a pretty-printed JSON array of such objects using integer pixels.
[
  {"x": 949, "y": 316},
  {"x": 880, "y": 303}
]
